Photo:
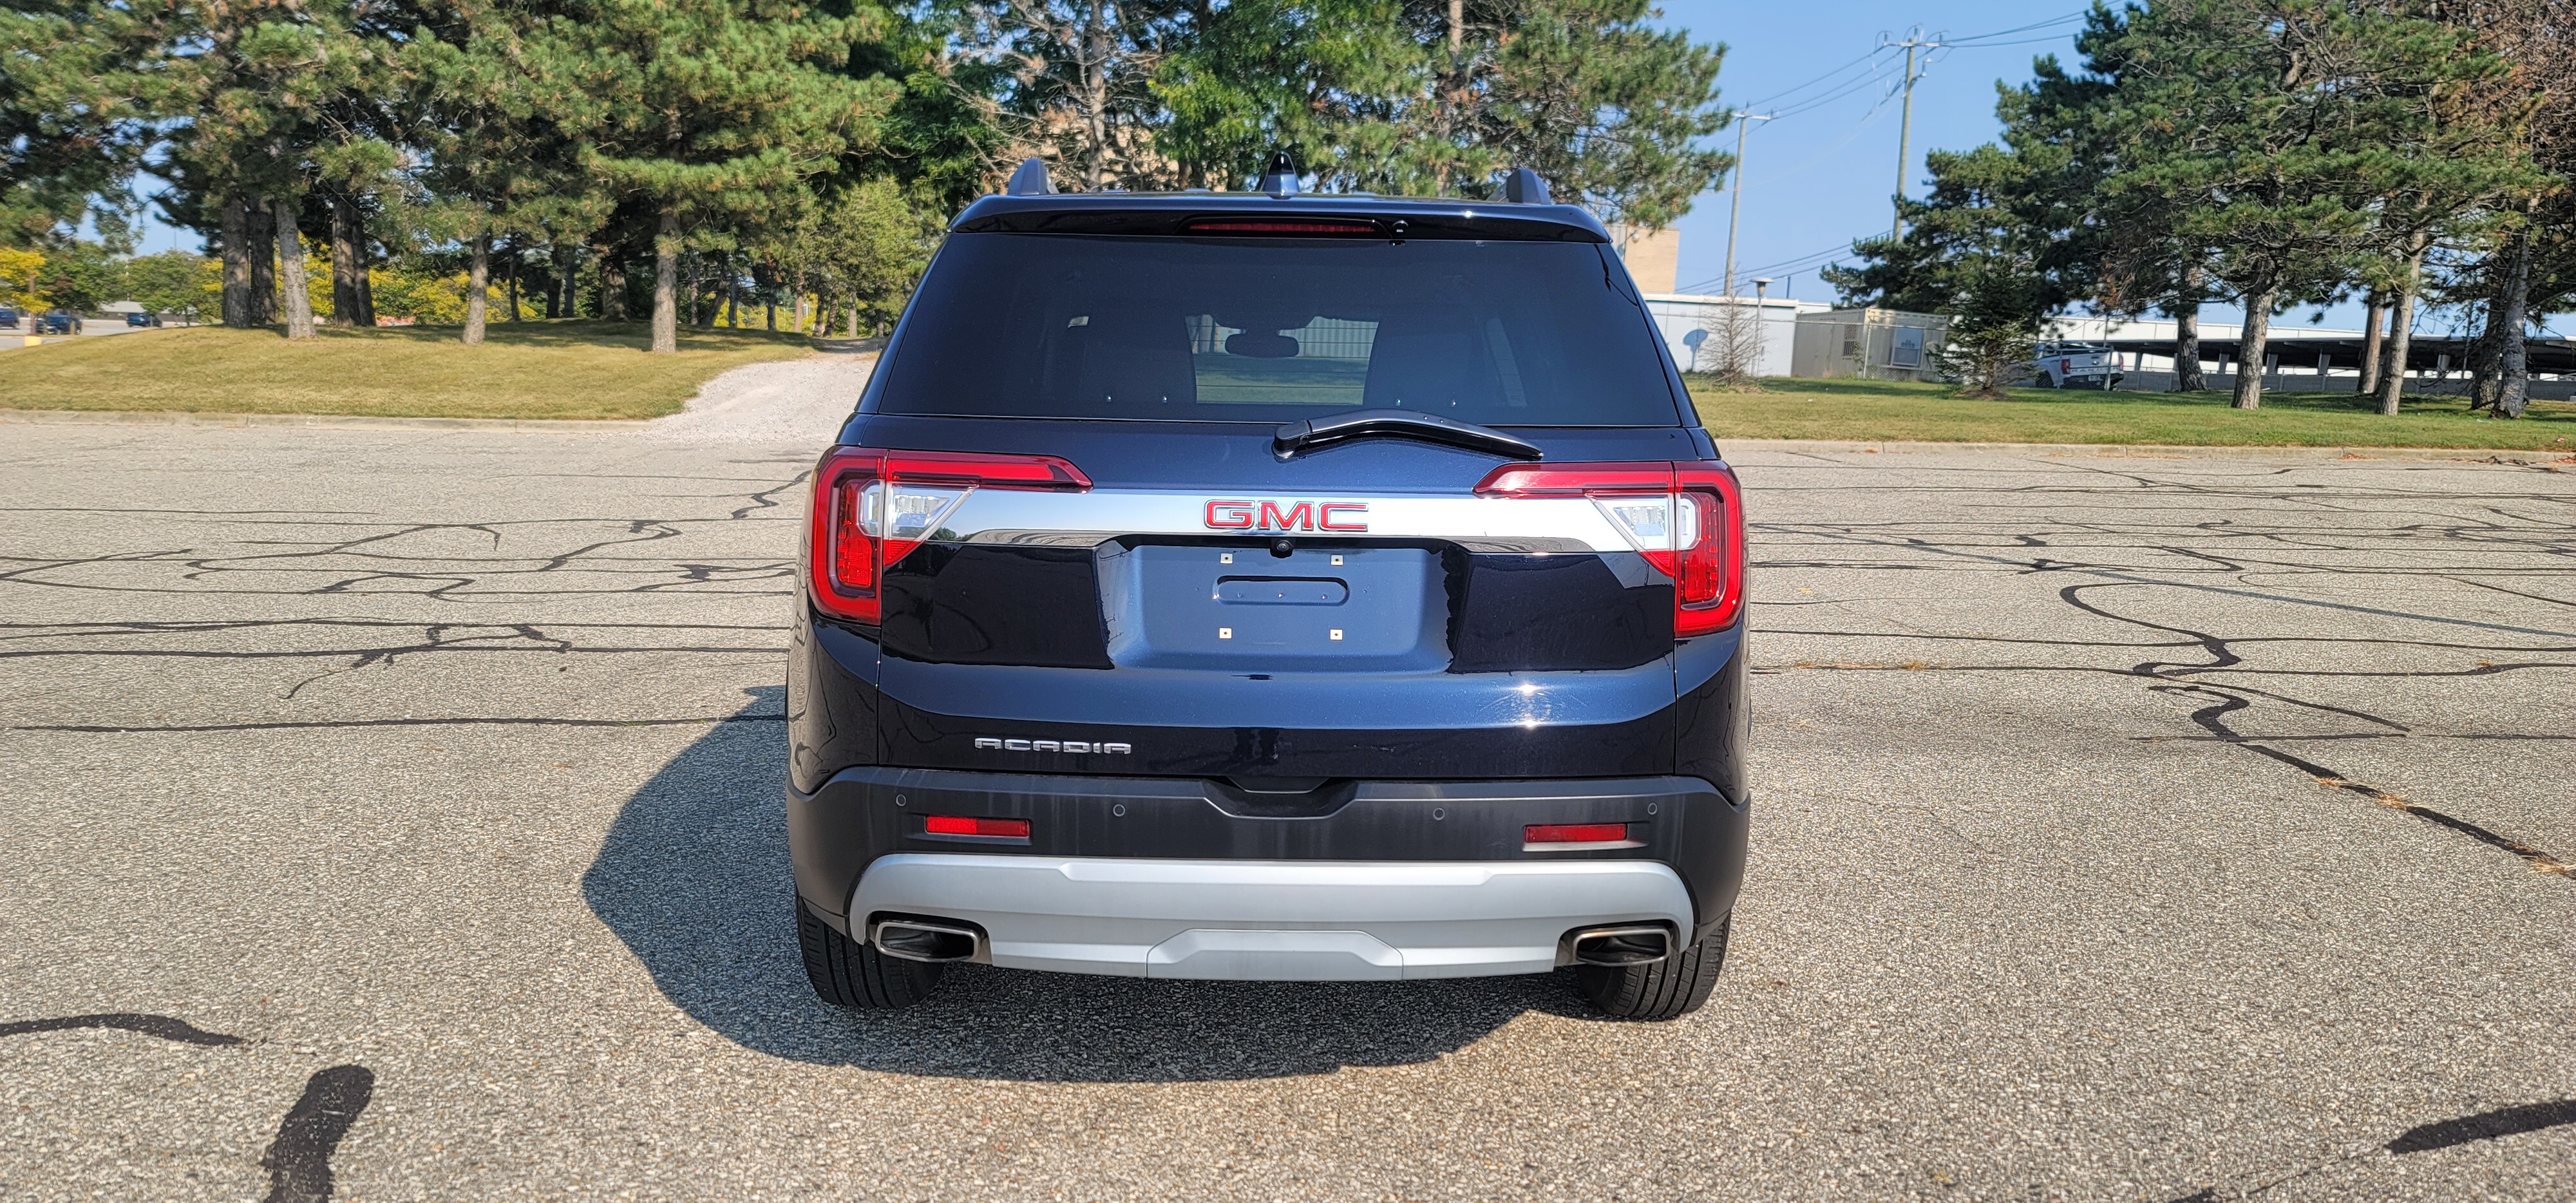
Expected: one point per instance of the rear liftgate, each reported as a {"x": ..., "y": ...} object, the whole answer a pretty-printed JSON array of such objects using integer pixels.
[{"x": 1033, "y": 623}]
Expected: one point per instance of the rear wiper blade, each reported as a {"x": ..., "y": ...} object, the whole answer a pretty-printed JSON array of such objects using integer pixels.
[{"x": 1397, "y": 423}]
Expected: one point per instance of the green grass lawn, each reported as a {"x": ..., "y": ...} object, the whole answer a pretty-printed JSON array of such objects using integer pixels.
[
  {"x": 1871, "y": 410},
  {"x": 528, "y": 369}
]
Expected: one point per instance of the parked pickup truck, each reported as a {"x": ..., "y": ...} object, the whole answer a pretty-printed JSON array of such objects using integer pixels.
[
  {"x": 2076, "y": 365},
  {"x": 1265, "y": 586}
]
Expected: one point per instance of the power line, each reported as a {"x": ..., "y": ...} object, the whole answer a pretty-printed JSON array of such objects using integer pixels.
[
  {"x": 1813, "y": 103},
  {"x": 1801, "y": 263},
  {"x": 1837, "y": 88},
  {"x": 1873, "y": 53},
  {"x": 2021, "y": 42},
  {"x": 1920, "y": 53},
  {"x": 2057, "y": 20}
]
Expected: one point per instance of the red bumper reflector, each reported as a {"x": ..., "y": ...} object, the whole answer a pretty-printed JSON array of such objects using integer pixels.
[
  {"x": 961, "y": 825},
  {"x": 1574, "y": 833}
]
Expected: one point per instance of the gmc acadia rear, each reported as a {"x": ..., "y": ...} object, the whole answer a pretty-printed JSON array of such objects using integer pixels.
[{"x": 1266, "y": 586}]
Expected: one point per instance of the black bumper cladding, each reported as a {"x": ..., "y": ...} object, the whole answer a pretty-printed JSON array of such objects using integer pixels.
[{"x": 863, "y": 814}]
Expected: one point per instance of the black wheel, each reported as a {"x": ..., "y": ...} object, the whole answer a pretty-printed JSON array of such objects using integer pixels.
[
  {"x": 849, "y": 973},
  {"x": 1668, "y": 989}
]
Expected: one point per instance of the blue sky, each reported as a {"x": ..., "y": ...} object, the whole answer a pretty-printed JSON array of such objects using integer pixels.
[{"x": 1824, "y": 172}]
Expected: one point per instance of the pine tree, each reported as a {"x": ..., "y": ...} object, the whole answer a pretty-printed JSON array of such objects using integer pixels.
[
  {"x": 2295, "y": 137},
  {"x": 500, "y": 162},
  {"x": 2537, "y": 40},
  {"x": 704, "y": 111},
  {"x": 77, "y": 99},
  {"x": 1435, "y": 97}
]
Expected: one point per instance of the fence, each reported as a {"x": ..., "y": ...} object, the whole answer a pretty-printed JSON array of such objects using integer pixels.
[
  {"x": 1323, "y": 338},
  {"x": 1873, "y": 344}
]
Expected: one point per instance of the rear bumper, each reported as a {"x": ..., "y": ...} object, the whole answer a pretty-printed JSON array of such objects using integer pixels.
[
  {"x": 1432, "y": 873},
  {"x": 1270, "y": 920}
]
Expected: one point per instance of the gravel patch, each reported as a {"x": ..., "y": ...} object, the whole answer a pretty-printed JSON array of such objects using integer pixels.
[{"x": 794, "y": 401}]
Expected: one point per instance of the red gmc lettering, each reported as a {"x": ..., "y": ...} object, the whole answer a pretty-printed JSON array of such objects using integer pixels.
[
  {"x": 1299, "y": 517},
  {"x": 1340, "y": 516}
]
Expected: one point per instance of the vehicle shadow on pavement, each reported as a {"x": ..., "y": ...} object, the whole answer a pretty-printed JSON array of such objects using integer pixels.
[{"x": 694, "y": 878}]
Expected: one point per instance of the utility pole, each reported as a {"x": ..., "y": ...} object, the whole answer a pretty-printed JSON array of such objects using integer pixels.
[
  {"x": 1914, "y": 41},
  {"x": 1735, "y": 202}
]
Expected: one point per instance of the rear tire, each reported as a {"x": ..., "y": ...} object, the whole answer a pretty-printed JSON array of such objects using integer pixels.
[
  {"x": 1668, "y": 989},
  {"x": 849, "y": 973}
]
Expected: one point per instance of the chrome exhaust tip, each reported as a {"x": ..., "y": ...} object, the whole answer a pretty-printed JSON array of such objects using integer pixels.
[
  {"x": 928, "y": 940},
  {"x": 1618, "y": 947}
]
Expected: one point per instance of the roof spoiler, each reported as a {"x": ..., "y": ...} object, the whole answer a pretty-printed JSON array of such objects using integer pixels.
[{"x": 1031, "y": 180}]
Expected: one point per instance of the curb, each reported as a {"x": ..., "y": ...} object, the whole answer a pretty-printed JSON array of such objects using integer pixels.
[
  {"x": 88, "y": 417},
  {"x": 2500, "y": 455}
]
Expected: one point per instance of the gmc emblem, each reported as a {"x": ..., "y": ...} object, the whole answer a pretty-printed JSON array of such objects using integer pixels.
[{"x": 1304, "y": 515}]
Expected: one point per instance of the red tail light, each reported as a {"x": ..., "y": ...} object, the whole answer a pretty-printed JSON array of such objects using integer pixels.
[
  {"x": 1224, "y": 225},
  {"x": 1017, "y": 829},
  {"x": 1575, "y": 480},
  {"x": 1685, "y": 519},
  {"x": 1574, "y": 833},
  {"x": 872, "y": 507},
  {"x": 1709, "y": 589}
]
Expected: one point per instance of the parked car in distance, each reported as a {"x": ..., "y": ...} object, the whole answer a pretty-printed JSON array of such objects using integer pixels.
[
  {"x": 8, "y": 318},
  {"x": 142, "y": 320},
  {"x": 58, "y": 322},
  {"x": 2076, "y": 365},
  {"x": 1264, "y": 586}
]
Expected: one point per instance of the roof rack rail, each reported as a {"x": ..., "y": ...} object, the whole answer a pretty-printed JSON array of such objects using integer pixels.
[
  {"x": 1030, "y": 179},
  {"x": 1524, "y": 187}
]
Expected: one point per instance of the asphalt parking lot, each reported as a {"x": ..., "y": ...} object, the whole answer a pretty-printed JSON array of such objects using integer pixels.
[{"x": 394, "y": 814}]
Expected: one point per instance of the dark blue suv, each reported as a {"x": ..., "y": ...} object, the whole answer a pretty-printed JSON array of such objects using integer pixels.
[{"x": 1264, "y": 586}]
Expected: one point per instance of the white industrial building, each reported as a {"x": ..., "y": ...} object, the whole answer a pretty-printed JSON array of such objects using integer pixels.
[{"x": 1693, "y": 328}]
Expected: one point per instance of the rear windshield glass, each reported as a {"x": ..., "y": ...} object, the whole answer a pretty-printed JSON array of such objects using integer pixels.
[{"x": 1275, "y": 330}]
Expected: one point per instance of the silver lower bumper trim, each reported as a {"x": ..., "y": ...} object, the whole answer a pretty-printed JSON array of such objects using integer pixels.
[{"x": 1272, "y": 920}]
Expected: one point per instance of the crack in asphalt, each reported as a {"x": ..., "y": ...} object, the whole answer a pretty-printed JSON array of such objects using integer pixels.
[
  {"x": 178, "y": 1031},
  {"x": 2133, "y": 578},
  {"x": 2222, "y": 680},
  {"x": 2222, "y": 657},
  {"x": 2209, "y": 717}
]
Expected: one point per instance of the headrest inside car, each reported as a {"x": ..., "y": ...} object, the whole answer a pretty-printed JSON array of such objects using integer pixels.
[{"x": 1253, "y": 344}]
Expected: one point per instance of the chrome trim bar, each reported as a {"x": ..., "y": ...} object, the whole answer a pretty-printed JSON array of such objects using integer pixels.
[{"x": 1503, "y": 524}]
